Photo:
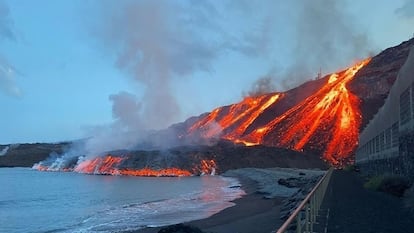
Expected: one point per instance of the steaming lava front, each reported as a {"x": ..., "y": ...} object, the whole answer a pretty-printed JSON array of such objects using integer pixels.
[
  {"x": 326, "y": 122},
  {"x": 112, "y": 165}
]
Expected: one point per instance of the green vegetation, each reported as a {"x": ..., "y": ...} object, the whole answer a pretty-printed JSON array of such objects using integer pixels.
[{"x": 392, "y": 184}]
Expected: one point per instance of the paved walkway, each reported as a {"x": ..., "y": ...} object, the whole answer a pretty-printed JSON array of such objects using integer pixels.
[{"x": 354, "y": 209}]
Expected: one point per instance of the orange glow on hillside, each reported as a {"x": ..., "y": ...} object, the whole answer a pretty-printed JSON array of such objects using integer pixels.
[
  {"x": 234, "y": 120},
  {"x": 100, "y": 165},
  {"x": 327, "y": 121}
]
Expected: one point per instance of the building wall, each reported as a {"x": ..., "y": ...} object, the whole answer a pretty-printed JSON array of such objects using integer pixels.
[{"x": 386, "y": 144}]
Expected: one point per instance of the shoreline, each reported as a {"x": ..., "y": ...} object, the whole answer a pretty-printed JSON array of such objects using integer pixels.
[
  {"x": 249, "y": 212},
  {"x": 258, "y": 211}
]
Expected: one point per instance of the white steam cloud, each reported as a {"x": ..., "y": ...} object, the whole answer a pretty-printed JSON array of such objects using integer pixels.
[{"x": 156, "y": 43}]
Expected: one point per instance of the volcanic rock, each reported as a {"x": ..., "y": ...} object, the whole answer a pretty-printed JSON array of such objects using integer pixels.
[{"x": 25, "y": 155}]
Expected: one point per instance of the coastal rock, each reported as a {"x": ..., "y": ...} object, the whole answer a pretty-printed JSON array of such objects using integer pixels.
[
  {"x": 293, "y": 182},
  {"x": 180, "y": 228},
  {"x": 268, "y": 180},
  {"x": 291, "y": 203}
]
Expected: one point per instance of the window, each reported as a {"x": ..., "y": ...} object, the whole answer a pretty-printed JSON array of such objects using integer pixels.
[
  {"x": 388, "y": 138},
  {"x": 405, "y": 107},
  {"x": 394, "y": 134}
]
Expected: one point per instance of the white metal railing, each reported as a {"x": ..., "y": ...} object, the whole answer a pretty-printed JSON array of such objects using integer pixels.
[{"x": 309, "y": 206}]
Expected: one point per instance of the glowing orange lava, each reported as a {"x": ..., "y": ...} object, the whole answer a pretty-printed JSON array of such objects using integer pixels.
[
  {"x": 326, "y": 121},
  {"x": 100, "y": 165},
  {"x": 232, "y": 121},
  {"x": 156, "y": 173},
  {"x": 207, "y": 167},
  {"x": 110, "y": 165}
]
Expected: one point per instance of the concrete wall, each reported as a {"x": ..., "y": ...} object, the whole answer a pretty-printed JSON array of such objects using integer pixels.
[{"x": 386, "y": 144}]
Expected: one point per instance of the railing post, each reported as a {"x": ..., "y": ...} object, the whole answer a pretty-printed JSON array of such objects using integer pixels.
[
  {"x": 315, "y": 209},
  {"x": 307, "y": 210},
  {"x": 299, "y": 223},
  {"x": 310, "y": 205}
]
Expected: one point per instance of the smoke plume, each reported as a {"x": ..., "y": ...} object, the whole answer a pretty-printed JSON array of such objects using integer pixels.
[
  {"x": 158, "y": 43},
  {"x": 327, "y": 37},
  {"x": 7, "y": 72},
  {"x": 155, "y": 44},
  {"x": 263, "y": 85}
]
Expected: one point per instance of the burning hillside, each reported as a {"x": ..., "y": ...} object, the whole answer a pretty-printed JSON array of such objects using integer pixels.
[
  {"x": 322, "y": 116},
  {"x": 327, "y": 121}
]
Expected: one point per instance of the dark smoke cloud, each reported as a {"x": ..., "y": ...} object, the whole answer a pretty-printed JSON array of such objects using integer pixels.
[
  {"x": 322, "y": 34},
  {"x": 7, "y": 72},
  {"x": 406, "y": 10},
  {"x": 327, "y": 37},
  {"x": 263, "y": 85}
]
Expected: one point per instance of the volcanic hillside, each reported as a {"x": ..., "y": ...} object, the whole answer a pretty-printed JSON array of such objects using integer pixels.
[{"x": 322, "y": 116}]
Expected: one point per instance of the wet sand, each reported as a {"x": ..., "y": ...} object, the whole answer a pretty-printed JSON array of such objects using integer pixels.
[
  {"x": 256, "y": 212},
  {"x": 252, "y": 213}
]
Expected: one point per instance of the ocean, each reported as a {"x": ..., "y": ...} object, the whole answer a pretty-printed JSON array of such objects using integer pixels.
[{"x": 34, "y": 201}]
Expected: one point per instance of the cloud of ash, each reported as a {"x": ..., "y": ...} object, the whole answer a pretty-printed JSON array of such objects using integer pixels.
[
  {"x": 263, "y": 85},
  {"x": 327, "y": 38},
  {"x": 322, "y": 35},
  {"x": 7, "y": 72}
]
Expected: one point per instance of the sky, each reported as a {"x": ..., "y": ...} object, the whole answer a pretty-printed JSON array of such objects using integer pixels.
[{"x": 73, "y": 69}]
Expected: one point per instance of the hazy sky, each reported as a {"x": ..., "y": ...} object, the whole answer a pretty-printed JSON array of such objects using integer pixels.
[{"x": 68, "y": 67}]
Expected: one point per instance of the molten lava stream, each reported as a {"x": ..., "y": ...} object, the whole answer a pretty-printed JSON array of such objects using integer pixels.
[
  {"x": 233, "y": 121},
  {"x": 100, "y": 165},
  {"x": 332, "y": 107},
  {"x": 157, "y": 173},
  {"x": 109, "y": 165},
  {"x": 237, "y": 133}
]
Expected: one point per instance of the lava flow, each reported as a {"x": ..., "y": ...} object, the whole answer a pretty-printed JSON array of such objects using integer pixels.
[
  {"x": 110, "y": 165},
  {"x": 233, "y": 120},
  {"x": 326, "y": 122}
]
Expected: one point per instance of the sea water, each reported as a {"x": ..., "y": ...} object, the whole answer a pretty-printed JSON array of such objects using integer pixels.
[{"x": 33, "y": 201}]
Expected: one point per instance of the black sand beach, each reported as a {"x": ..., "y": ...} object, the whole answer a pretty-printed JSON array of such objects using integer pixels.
[{"x": 253, "y": 213}]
